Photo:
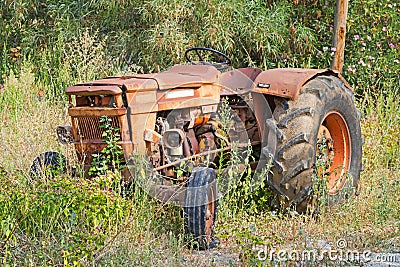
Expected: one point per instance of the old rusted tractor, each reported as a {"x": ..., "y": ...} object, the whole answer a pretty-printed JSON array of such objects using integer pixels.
[{"x": 288, "y": 116}]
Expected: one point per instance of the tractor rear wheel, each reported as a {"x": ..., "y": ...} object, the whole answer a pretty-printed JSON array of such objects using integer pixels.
[
  {"x": 200, "y": 211},
  {"x": 320, "y": 138}
]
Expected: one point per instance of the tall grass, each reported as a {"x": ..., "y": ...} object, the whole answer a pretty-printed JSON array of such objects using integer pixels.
[{"x": 154, "y": 35}]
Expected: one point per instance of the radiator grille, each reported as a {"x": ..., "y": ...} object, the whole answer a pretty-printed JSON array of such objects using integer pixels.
[{"x": 89, "y": 127}]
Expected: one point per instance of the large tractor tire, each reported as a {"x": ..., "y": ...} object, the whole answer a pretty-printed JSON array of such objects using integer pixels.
[
  {"x": 200, "y": 211},
  {"x": 322, "y": 123}
]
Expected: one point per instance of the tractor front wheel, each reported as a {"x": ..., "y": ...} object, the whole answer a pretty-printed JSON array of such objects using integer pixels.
[
  {"x": 48, "y": 164},
  {"x": 200, "y": 210}
]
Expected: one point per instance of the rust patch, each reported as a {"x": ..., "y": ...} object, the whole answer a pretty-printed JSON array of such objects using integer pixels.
[
  {"x": 287, "y": 82},
  {"x": 95, "y": 112},
  {"x": 179, "y": 76},
  {"x": 87, "y": 90}
]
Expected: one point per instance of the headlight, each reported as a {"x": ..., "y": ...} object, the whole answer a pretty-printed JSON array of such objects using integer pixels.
[
  {"x": 173, "y": 138},
  {"x": 64, "y": 134}
]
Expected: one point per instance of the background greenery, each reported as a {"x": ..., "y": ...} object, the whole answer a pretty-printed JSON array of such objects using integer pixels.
[
  {"x": 152, "y": 35},
  {"x": 49, "y": 45}
]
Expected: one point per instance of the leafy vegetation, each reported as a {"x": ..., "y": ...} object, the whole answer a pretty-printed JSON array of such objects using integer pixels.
[
  {"x": 111, "y": 156},
  {"x": 152, "y": 35},
  {"x": 50, "y": 45}
]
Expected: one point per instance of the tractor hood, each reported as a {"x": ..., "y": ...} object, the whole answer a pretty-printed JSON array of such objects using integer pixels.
[
  {"x": 179, "y": 76},
  {"x": 282, "y": 82}
]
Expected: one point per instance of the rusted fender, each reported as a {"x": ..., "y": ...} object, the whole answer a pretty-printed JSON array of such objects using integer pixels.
[{"x": 287, "y": 82}]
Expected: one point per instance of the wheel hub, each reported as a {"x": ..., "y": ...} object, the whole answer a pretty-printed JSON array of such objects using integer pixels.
[{"x": 333, "y": 151}]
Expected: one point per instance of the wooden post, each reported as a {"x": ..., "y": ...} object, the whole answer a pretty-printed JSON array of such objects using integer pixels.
[{"x": 339, "y": 36}]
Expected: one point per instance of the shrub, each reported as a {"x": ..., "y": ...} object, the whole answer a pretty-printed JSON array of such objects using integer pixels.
[{"x": 67, "y": 219}]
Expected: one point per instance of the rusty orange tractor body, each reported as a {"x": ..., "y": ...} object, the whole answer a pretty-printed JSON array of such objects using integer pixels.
[{"x": 290, "y": 116}]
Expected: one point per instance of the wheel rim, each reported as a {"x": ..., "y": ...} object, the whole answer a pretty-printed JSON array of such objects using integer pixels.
[
  {"x": 336, "y": 150},
  {"x": 210, "y": 216}
]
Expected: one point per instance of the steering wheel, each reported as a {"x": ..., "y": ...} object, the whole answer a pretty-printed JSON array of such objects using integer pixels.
[{"x": 223, "y": 62}]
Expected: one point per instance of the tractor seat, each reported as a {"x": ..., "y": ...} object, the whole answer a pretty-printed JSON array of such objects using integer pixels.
[{"x": 238, "y": 80}]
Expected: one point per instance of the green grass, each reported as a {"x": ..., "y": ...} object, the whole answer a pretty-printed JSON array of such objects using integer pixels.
[{"x": 153, "y": 35}]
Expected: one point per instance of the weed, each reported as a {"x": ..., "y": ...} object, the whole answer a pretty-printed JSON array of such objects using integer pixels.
[
  {"x": 242, "y": 187},
  {"x": 67, "y": 218},
  {"x": 111, "y": 157},
  {"x": 324, "y": 158}
]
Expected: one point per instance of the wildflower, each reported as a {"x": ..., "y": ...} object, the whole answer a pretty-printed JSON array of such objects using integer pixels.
[
  {"x": 396, "y": 61},
  {"x": 391, "y": 45},
  {"x": 369, "y": 38},
  {"x": 332, "y": 54},
  {"x": 384, "y": 29},
  {"x": 319, "y": 54},
  {"x": 362, "y": 63},
  {"x": 364, "y": 44},
  {"x": 390, "y": 5},
  {"x": 351, "y": 69},
  {"x": 325, "y": 48},
  {"x": 333, "y": 49},
  {"x": 356, "y": 37},
  {"x": 378, "y": 44}
]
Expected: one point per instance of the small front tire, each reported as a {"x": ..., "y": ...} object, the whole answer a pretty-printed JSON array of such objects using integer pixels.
[
  {"x": 200, "y": 211},
  {"x": 48, "y": 164}
]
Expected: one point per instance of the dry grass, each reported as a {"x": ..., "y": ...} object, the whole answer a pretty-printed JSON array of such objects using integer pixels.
[{"x": 27, "y": 122}]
